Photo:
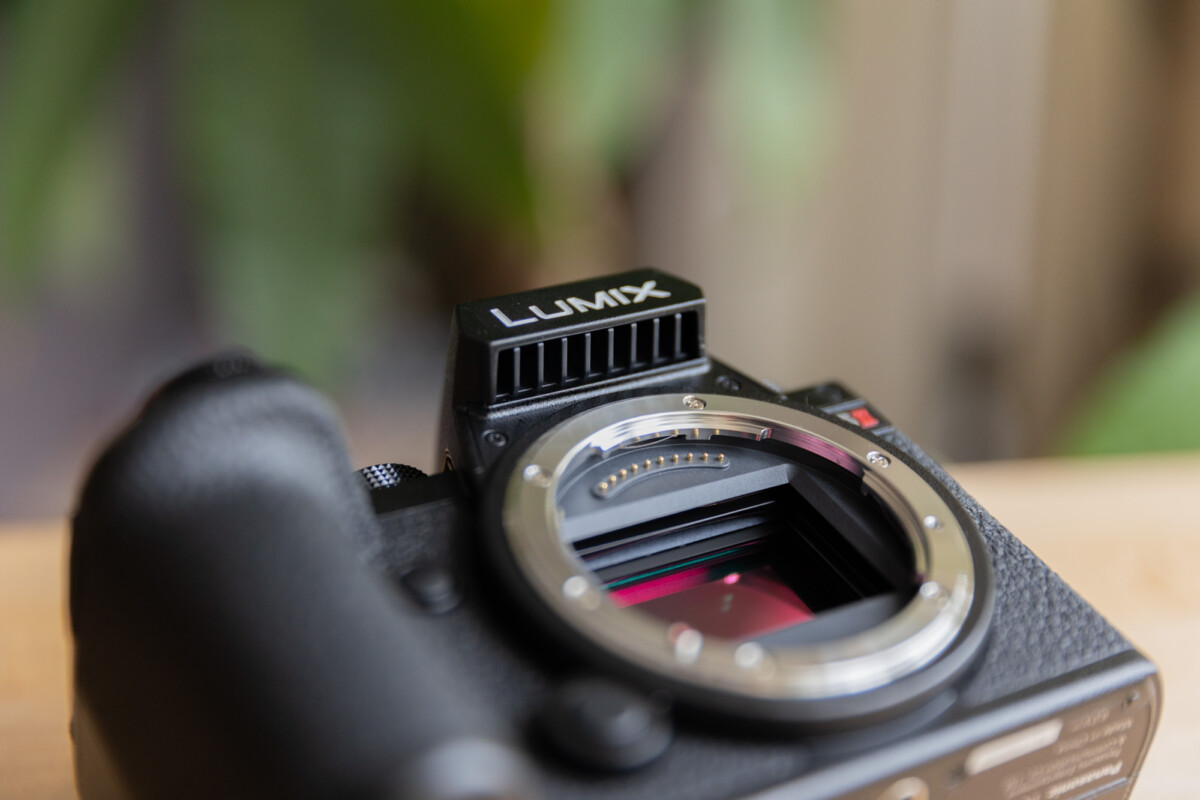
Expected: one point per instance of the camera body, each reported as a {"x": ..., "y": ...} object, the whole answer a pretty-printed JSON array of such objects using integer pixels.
[{"x": 641, "y": 574}]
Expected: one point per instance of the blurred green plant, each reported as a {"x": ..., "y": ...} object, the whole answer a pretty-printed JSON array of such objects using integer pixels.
[
  {"x": 56, "y": 60},
  {"x": 297, "y": 128},
  {"x": 1146, "y": 402}
]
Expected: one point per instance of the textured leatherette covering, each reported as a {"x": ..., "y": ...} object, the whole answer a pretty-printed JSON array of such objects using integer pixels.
[{"x": 1041, "y": 629}]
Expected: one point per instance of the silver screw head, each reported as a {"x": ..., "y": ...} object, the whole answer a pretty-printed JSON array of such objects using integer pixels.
[
  {"x": 932, "y": 523},
  {"x": 536, "y": 475},
  {"x": 878, "y": 459},
  {"x": 574, "y": 587},
  {"x": 687, "y": 644},
  {"x": 577, "y": 589},
  {"x": 695, "y": 403},
  {"x": 748, "y": 655},
  {"x": 932, "y": 590}
]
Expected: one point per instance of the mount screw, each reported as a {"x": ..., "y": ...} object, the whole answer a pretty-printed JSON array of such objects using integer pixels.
[{"x": 878, "y": 459}]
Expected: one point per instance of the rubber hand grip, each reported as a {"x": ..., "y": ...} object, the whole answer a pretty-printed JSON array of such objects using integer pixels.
[{"x": 231, "y": 640}]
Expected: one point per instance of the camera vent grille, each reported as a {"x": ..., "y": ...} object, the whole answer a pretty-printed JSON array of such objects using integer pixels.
[{"x": 589, "y": 357}]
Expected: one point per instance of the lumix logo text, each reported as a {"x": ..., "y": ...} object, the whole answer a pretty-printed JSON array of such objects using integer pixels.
[{"x": 610, "y": 298}]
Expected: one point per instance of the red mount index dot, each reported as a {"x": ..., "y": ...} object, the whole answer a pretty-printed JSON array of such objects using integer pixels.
[{"x": 864, "y": 417}]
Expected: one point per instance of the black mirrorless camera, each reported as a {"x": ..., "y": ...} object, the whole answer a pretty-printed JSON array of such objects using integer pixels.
[{"x": 640, "y": 574}]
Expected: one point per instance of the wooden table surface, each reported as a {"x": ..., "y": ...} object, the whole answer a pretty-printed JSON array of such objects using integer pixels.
[{"x": 1124, "y": 532}]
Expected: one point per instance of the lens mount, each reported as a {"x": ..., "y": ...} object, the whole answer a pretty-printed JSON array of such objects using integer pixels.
[{"x": 950, "y": 569}]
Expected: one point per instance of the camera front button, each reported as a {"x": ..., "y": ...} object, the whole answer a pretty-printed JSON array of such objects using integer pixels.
[
  {"x": 600, "y": 724},
  {"x": 432, "y": 588}
]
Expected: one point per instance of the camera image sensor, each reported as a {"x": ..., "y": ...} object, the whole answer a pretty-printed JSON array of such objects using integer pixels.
[
  {"x": 734, "y": 594},
  {"x": 806, "y": 543}
]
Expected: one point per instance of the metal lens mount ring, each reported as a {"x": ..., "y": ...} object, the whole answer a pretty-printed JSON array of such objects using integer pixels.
[{"x": 904, "y": 644}]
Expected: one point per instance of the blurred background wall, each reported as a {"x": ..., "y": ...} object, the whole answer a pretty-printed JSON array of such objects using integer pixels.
[{"x": 984, "y": 215}]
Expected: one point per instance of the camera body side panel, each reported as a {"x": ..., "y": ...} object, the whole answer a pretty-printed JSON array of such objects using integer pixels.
[
  {"x": 1049, "y": 652},
  {"x": 1042, "y": 629},
  {"x": 1084, "y": 735},
  {"x": 1057, "y": 706}
]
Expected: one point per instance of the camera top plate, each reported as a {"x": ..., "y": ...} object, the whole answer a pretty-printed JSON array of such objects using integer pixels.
[{"x": 891, "y": 663}]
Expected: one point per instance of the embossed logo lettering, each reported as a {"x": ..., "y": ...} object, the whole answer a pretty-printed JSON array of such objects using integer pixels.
[{"x": 610, "y": 298}]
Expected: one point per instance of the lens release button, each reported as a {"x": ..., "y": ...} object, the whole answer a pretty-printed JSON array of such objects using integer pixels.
[{"x": 600, "y": 724}]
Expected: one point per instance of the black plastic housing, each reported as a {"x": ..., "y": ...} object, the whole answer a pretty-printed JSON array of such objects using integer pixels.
[
  {"x": 246, "y": 627},
  {"x": 579, "y": 334}
]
